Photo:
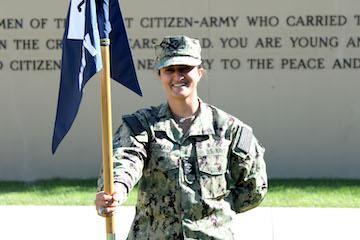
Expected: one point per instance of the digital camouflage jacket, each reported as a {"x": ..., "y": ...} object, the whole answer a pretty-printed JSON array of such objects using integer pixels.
[{"x": 191, "y": 184}]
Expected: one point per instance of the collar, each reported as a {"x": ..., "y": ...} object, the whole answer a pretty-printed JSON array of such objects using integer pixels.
[{"x": 202, "y": 125}]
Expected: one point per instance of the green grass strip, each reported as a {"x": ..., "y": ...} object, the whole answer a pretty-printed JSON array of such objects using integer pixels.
[
  {"x": 282, "y": 193},
  {"x": 335, "y": 193}
]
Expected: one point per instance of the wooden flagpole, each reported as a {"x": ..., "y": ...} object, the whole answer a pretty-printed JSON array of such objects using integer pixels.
[{"x": 106, "y": 125}]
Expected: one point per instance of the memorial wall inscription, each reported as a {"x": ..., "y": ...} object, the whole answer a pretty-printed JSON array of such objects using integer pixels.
[{"x": 338, "y": 35}]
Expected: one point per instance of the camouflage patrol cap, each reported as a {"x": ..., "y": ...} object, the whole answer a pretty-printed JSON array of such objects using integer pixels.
[{"x": 178, "y": 50}]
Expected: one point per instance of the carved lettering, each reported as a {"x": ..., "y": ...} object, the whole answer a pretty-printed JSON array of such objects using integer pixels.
[
  {"x": 261, "y": 63},
  {"x": 263, "y": 21},
  {"x": 316, "y": 20},
  {"x": 353, "y": 42},
  {"x": 233, "y": 63},
  {"x": 11, "y": 23},
  {"x": 314, "y": 42},
  {"x": 26, "y": 44},
  {"x": 234, "y": 42},
  {"x": 3, "y": 44},
  {"x": 35, "y": 65},
  {"x": 346, "y": 63},
  {"x": 302, "y": 63}
]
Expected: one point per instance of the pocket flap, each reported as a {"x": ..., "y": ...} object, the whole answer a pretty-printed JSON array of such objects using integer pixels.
[{"x": 213, "y": 164}]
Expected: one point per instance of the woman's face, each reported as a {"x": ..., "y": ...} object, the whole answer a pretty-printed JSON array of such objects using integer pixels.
[{"x": 180, "y": 81}]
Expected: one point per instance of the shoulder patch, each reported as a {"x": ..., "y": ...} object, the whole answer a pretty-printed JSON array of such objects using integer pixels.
[
  {"x": 245, "y": 139},
  {"x": 147, "y": 116},
  {"x": 134, "y": 124}
]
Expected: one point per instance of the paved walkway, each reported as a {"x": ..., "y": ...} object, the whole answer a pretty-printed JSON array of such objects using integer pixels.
[{"x": 68, "y": 223}]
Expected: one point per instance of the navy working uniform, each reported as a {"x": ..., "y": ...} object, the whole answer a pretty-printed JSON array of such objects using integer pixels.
[{"x": 191, "y": 183}]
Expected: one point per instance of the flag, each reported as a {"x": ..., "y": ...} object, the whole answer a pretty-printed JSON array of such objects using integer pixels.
[{"x": 88, "y": 21}]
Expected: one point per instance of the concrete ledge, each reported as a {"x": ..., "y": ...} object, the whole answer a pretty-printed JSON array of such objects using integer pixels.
[{"x": 63, "y": 222}]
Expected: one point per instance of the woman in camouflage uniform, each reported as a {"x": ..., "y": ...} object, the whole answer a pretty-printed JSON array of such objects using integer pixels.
[{"x": 196, "y": 165}]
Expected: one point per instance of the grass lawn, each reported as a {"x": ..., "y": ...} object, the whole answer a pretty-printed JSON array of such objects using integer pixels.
[
  {"x": 52, "y": 192},
  {"x": 313, "y": 193},
  {"x": 282, "y": 193}
]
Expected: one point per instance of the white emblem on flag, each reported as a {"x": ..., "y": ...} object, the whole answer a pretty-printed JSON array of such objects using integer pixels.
[
  {"x": 76, "y": 28},
  {"x": 90, "y": 48},
  {"x": 88, "y": 45}
]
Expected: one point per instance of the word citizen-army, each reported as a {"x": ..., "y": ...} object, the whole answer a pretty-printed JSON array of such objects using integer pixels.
[{"x": 186, "y": 22}]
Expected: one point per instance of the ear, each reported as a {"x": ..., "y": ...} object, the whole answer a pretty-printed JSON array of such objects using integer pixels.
[{"x": 201, "y": 71}]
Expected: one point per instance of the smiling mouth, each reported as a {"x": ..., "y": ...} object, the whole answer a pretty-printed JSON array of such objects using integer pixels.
[{"x": 180, "y": 85}]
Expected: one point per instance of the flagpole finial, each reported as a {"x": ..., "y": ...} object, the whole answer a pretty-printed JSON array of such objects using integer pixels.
[{"x": 105, "y": 42}]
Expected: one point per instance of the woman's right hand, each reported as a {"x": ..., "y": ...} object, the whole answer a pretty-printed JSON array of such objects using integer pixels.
[{"x": 106, "y": 204}]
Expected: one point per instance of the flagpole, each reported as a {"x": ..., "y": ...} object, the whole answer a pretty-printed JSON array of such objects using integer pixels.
[{"x": 106, "y": 124}]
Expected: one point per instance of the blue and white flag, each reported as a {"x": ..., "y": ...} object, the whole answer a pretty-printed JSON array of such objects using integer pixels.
[{"x": 88, "y": 21}]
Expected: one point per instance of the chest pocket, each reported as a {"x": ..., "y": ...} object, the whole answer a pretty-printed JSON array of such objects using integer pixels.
[
  {"x": 212, "y": 163},
  {"x": 162, "y": 156}
]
